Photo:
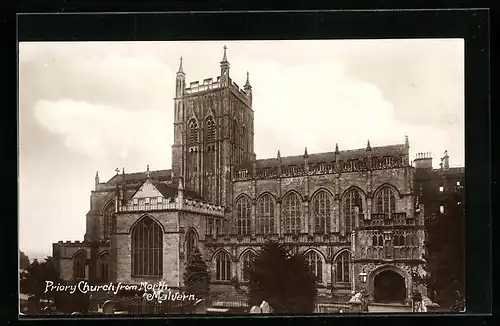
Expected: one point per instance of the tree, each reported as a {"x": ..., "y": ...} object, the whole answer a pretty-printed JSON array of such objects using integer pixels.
[
  {"x": 37, "y": 275},
  {"x": 445, "y": 253},
  {"x": 282, "y": 279},
  {"x": 196, "y": 275},
  {"x": 24, "y": 261}
]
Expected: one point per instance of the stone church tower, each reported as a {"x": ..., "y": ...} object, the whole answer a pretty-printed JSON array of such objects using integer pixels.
[{"x": 213, "y": 132}]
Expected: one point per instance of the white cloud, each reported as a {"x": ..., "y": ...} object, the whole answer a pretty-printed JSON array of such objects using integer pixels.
[{"x": 103, "y": 132}]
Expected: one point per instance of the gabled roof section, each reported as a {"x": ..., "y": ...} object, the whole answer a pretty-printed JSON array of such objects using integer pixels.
[
  {"x": 147, "y": 190},
  {"x": 159, "y": 175}
]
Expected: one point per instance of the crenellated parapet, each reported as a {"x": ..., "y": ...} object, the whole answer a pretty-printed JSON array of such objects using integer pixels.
[{"x": 208, "y": 84}]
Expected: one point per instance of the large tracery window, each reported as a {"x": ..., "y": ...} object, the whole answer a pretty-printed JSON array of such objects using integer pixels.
[
  {"x": 247, "y": 261},
  {"x": 210, "y": 129},
  {"x": 243, "y": 215},
  {"x": 147, "y": 249},
  {"x": 321, "y": 212},
  {"x": 103, "y": 266},
  {"x": 193, "y": 131},
  {"x": 291, "y": 213},
  {"x": 79, "y": 263},
  {"x": 342, "y": 270},
  {"x": 315, "y": 265},
  {"x": 353, "y": 206},
  {"x": 109, "y": 215},
  {"x": 222, "y": 267},
  {"x": 265, "y": 218},
  {"x": 385, "y": 200},
  {"x": 191, "y": 241}
]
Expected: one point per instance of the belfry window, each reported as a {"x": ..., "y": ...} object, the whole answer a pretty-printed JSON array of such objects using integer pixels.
[{"x": 193, "y": 131}]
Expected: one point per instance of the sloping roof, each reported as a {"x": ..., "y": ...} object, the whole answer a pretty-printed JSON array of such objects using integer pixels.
[
  {"x": 168, "y": 191},
  {"x": 160, "y": 175},
  {"x": 330, "y": 156}
]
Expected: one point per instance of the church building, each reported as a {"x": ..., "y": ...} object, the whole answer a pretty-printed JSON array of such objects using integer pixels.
[{"x": 350, "y": 212}]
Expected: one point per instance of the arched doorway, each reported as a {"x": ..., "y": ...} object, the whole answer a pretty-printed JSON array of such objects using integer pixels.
[{"x": 389, "y": 287}]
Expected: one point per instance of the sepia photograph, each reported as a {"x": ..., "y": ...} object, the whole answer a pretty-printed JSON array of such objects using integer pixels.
[{"x": 241, "y": 177}]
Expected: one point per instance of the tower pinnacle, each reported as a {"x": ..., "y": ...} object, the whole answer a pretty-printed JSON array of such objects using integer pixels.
[
  {"x": 224, "y": 58},
  {"x": 247, "y": 84},
  {"x": 181, "y": 69}
]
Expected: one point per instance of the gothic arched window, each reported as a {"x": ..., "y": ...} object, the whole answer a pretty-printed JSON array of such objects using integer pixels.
[
  {"x": 385, "y": 200},
  {"x": 103, "y": 265},
  {"x": 79, "y": 263},
  {"x": 191, "y": 242},
  {"x": 291, "y": 213},
  {"x": 247, "y": 261},
  {"x": 147, "y": 249},
  {"x": 193, "y": 131},
  {"x": 109, "y": 216},
  {"x": 243, "y": 215},
  {"x": 210, "y": 129},
  {"x": 265, "y": 217},
  {"x": 222, "y": 267},
  {"x": 315, "y": 265},
  {"x": 321, "y": 212},
  {"x": 342, "y": 270},
  {"x": 353, "y": 206}
]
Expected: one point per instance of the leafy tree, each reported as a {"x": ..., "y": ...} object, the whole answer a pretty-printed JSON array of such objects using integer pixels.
[
  {"x": 282, "y": 279},
  {"x": 196, "y": 275},
  {"x": 446, "y": 257},
  {"x": 24, "y": 261},
  {"x": 37, "y": 274}
]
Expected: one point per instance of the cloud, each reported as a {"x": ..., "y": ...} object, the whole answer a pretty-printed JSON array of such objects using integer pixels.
[
  {"x": 320, "y": 105},
  {"x": 102, "y": 131}
]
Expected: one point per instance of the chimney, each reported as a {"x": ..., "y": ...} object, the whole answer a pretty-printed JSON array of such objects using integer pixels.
[{"x": 423, "y": 161}]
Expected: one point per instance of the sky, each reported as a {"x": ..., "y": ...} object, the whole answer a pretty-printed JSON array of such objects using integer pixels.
[{"x": 97, "y": 106}]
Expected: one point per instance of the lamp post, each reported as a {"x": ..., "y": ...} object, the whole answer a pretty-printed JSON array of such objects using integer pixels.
[{"x": 364, "y": 293}]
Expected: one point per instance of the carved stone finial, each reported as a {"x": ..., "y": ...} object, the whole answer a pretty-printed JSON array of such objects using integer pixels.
[
  {"x": 181, "y": 69},
  {"x": 148, "y": 173},
  {"x": 368, "y": 146},
  {"x": 336, "y": 148}
]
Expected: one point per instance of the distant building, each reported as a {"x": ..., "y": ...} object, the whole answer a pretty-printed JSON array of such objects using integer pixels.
[{"x": 348, "y": 211}]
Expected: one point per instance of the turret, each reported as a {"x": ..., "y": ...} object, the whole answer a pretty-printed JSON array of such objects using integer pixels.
[
  {"x": 248, "y": 88},
  {"x": 180, "y": 81},
  {"x": 96, "y": 179},
  {"x": 224, "y": 68}
]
